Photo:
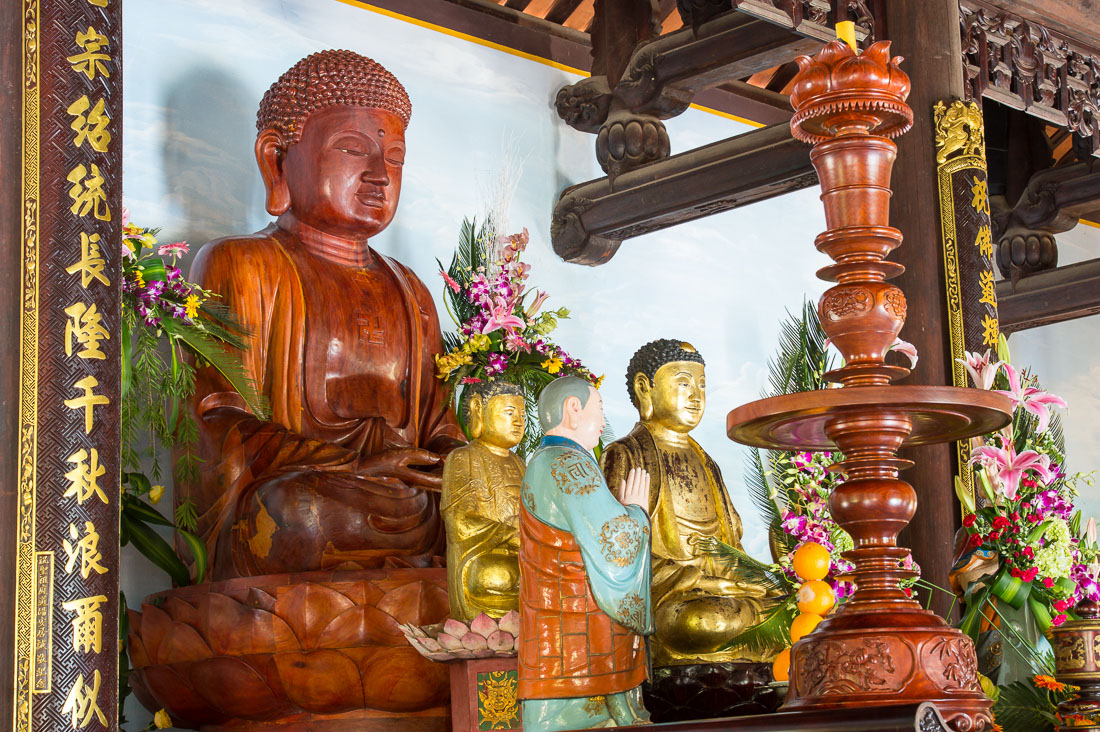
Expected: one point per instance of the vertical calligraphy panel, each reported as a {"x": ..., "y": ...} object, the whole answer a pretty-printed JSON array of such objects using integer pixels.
[
  {"x": 967, "y": 241},
  {"x": 67, "y": 564}
]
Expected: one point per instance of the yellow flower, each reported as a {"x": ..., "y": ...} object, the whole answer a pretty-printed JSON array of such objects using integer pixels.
[
  {"x": 162, "y": 720},
  {"x": 480, "y": 341},
  {"x": 553, "y": 365},
  {"x": 191, "y": 306},
  {"x": 139, "y": 279},
  {"x": 147, "y": 240},
  {"x": 155, "y": 494},
  {"x": 600, "y": 380}
]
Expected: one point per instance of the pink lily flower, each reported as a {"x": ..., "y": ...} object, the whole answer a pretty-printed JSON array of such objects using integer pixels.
[
  {"x": 980, "y": 368},
  {"x": 1008, "y": 468},
  {"x": 125, "y": 215},
  {"x": 906, "y": 348},
  {"x": 1033, "y": 400},
  {"x": 540, "y": 298},
  {"x": 500, "y": 316}
]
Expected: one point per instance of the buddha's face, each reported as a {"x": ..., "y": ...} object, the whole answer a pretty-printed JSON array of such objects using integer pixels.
[
  {"x": 678, "y": 396},
  {"x": 503, "y": 420},
  {"x": 344, "y": 174}
]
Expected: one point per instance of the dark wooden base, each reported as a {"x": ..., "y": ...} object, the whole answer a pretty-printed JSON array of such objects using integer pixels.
[
  {"x": 709, "y": 691},
  {"x": 922, "y": 717}
]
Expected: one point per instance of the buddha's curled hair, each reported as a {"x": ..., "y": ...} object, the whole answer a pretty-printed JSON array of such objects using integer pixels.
[
  {"x": 329, "y": 79},
  {"x": 654, "y": 355}
]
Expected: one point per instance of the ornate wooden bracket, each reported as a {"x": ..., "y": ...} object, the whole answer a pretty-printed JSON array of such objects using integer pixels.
[{"x": 1026, "y": 66}]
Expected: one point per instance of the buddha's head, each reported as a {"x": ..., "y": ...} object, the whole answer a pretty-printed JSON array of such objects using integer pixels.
[
  {"x": 495, "y": 413},
  {"x": 331, "y": 143},
  {"x": 667, "y": 384}
]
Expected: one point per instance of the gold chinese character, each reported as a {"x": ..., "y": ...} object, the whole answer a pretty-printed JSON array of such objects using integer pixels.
[
  {"x": 98, "y": 3},
  {"x": 989, "y": 288},
  {"x": 991, "y": 331},
  {"x": 85, "y": 478},
  {"x": 88, "y": 401},
  {"x": 980, "y": 202},
  {"x": 88, "y": 623},
  {"x": 84, "y": 550},
  {"x": 92, "y": 127},
  {"x": 984, "y": 241},
  {"x": 83, "y": 702},
  {"x": 91, "y": 262},
  {"x": 86, "y": 324},
  {"x": 91, "y": 61},
  {"x": 88, "y": 194}
]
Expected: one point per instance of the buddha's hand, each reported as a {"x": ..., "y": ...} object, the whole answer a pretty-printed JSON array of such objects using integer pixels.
[
  {"x": 634, "y": 491},
  {"x": 401, "y": 463}
]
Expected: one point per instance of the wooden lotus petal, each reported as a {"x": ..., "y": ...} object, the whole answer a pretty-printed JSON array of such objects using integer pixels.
[
  {"x": 155, "y": 625},
  {"x": 358, "y": 626},
  {"x": 260, "y": 600},
  {"x": 510, "y": 623},
  {"x": 322, "y": 682},
  {"x": 232, "y": 629},
  {"x": 309, "y": 608},
  {"x": 400, "y": 680},
  {"x": 182, "y": 643},
  {"x": 181, "y": 611},
  {"x": 236, "y": 688},
  {"x": 185, "y": 704},
  {"x": 483, "y": 625},
  {"x": 418, "y": 603}
]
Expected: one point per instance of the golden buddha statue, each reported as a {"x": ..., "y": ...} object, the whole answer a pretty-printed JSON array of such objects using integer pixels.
[
  {"x": 699, "y": 604},
  {"x": 480, "y": 504}
]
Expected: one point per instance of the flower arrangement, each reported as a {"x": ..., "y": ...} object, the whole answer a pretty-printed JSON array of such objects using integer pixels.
[
  {"x": 164, "y": 314},
  {"x": 1027, "y": 521},
  {"x": 503, "y": 328}
]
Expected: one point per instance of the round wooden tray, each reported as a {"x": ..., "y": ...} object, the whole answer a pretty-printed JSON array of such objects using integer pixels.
[{"x": 797, "y": 421}]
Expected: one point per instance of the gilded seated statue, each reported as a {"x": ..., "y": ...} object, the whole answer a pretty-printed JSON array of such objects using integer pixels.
[
  {"x": 699, "y": 604},
  {"x": 480, "y": 504},
  {"x": 346, "y": 471}
]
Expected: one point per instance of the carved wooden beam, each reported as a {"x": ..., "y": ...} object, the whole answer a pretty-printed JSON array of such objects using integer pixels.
[
  {"x": 1025, "y": 65},
  {"x": 1049, "y": 297},
  {"x": 591, "y": 219}
]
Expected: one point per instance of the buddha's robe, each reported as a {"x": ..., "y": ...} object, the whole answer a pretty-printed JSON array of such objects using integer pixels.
[
  {"x": 699, "y": 604},
  {"x": 480, "y": 506},
  {"x": 341, "y": 345},
  {"x": 584, "y": 594}
]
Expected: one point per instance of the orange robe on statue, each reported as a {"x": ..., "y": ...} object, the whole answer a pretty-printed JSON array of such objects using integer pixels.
[{"x": 342, "y": 345}]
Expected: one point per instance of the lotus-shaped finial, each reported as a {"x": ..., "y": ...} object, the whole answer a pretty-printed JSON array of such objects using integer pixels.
[
  {"x": 841, "y": 92},
  {"x": 453, "y": 640}
]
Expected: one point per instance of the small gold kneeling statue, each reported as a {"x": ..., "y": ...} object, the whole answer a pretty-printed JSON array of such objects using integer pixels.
[
  {"x": 480, "y": 504},
  {"x": 699, "y": 604}
]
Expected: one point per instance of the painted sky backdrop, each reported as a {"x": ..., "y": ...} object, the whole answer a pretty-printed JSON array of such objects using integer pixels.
[{"x": 195, "y": 71}]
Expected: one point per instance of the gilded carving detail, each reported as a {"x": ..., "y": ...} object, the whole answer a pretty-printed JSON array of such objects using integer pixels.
[
  {"x": 497, "y": 706},
  {"x": 1070, "y": 653},
  {"x": 959, "y": 129}
]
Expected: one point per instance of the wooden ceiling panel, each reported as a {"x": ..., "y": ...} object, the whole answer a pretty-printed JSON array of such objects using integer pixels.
[
  {"x": 581, "y": 18},
  {"x": 560, "y": 11}
]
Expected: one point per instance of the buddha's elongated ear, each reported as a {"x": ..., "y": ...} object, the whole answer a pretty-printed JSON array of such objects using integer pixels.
[
  {"x": 476, "y": 424},
  {"x": 642, "y": 391},
  {"x": 269, "y": 156}
]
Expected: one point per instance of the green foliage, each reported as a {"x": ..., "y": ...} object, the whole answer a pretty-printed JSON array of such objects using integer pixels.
[
  {"x": 1021, "y": 707},
  {"x": 771, "y": 634}
]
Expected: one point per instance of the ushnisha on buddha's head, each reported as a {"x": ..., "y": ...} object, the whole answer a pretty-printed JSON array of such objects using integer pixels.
[
  {"x": 571, "y": 407},
  {"x": 331, "y": 144},
  {"x": 667, "y": 384},
  {"x": 495, "y": 414}
]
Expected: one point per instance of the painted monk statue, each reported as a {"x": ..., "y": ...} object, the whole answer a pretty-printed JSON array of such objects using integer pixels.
[
  {"x": 480, "y": 503},
  {"x": 698, "y": 603},
  {"x": 346, "y": 471},
  {"x": 584, "y": 575}
]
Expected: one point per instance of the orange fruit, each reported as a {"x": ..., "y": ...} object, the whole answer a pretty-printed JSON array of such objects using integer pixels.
[
  {"x": 816, "y": 597},
  {"x": 811, "y": 561},
  {"x": 804, "y": 624},
  {"x": 781, "y": 666}
]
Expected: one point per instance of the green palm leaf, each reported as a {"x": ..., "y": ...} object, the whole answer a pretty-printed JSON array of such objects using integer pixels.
[
  {"x": 748, "y": 568},
  {"x": 1022, "y": 707},
  {"x": 770, "y": 635}
]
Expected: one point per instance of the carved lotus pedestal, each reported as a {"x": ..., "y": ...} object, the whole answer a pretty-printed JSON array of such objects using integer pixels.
[{"x": 320, "y": 651}]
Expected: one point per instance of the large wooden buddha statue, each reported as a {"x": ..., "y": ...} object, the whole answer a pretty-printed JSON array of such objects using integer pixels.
[
  {"x": 699, "y": 604},
  {"x": 480, "y": 504},
  {"x": 346, "y": 471}
]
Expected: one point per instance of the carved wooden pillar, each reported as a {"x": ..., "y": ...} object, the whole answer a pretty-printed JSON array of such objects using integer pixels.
[
  {"x": 920, "y": 30},
  {"x": 64, "y": 74}
]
